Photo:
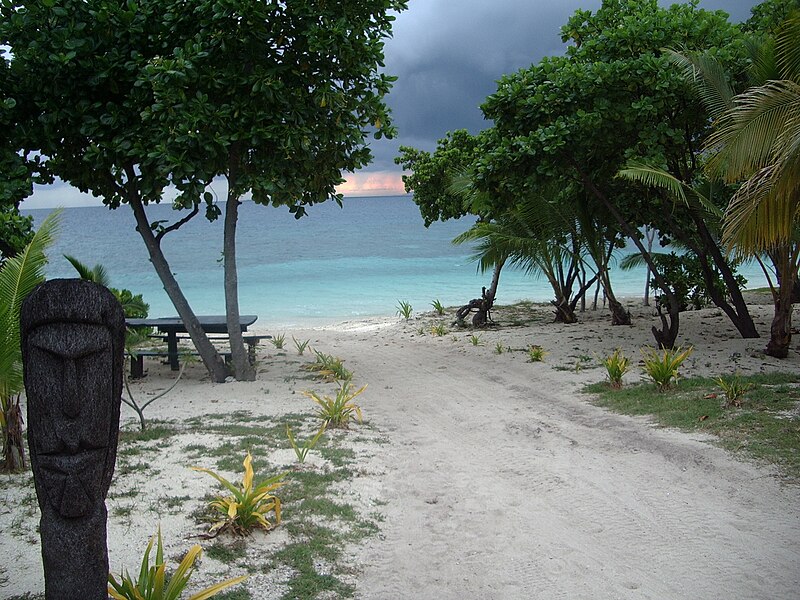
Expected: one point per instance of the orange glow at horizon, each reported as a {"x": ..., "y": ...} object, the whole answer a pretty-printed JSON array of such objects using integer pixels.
[{"x": 380, "y": 183}]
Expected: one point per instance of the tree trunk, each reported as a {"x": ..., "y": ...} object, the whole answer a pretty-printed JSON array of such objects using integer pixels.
[
  {"x": 565, "y": 312},
  {"x": 242, "y": 369},
  {"x": 739, "y": 314},
  {"x": 649, "y": 234},
  {"x": 208, "y": 354},
  {"x": 668, "y": 334},
  {"x": 484, "y": 304},
  {"x": 619, "y": 314},
  {"x": 13, "y": 443},
  {"x": 492, "y": 293},
  {"x": 781, "y": 328}
]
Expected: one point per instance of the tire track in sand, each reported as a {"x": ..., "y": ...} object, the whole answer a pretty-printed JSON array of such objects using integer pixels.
[{"x": 502, "y": 482}]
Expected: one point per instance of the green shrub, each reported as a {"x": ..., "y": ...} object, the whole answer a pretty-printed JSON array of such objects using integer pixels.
[
  {"x": 249, "y": 504},
  {"x": 153, "y": 584},
  {"x": 536, "y": 353},
  {"x": 279, "y": 340},
  {"x": 302, "y": 451},
  {"x": 685, "y": 276},
  {"x": 329, "y": 367},
  {"x": 734, "y": 390},
  {"x": 301, "y": 346},
  {"x": 617, "y": 364},
  {"x": 662, "y": 365},
  {"x": 337, "y": 412},
  {"x": 404, "y": 309},
  {"x": 439, "y": 330}
]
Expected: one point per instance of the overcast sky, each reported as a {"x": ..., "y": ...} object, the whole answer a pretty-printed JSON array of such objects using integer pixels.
[{"x": 448, "y": 56}]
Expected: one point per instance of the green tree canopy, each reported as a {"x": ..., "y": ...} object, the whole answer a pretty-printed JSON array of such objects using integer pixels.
[
  {"x": 614, "y": 96},
  {"x": 278, "y": 97}
]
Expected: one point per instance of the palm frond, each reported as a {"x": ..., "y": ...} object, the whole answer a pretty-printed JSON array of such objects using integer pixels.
[
  {"x": 763, "y": 66},
  {"x": 787, "y": 49},
  {"x": 709, "y": 79},
  {"x": 746, "y": 137},
  {"x": 525, "y": 237},
  {"x": 757, "y": 217},
  {"x": 96, "y": 274},
  {"x": 18, "y": 276},
  {"x": 651, "y": 176}
]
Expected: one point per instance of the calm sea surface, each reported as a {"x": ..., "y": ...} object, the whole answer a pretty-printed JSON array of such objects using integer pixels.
[{"x": 334, "y": 264}]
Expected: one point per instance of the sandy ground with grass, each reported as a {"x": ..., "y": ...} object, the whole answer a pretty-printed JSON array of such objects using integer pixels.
[{"x": 494, "y": 477}]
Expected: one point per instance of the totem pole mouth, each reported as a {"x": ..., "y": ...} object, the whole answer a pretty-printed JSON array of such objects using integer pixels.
[
  {"x": 67, "y": 447},
  {"x": 70, "y": 480}
]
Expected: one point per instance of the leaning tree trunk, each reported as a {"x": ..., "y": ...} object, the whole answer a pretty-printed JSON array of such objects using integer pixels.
[
  {"x": 736, "y": 310},
  {"x": 242, "y": 369},
  {"x": 619, "y": 314},
  {"x": 209, "y": 355},
  {"x": 483, "y": 305}
]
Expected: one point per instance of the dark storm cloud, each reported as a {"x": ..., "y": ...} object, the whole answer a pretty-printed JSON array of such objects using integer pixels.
[{"x": 449, "y": 54}]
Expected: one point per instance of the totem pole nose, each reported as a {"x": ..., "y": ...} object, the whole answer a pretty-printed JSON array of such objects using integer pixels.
[{"x": 71, "y": 402}]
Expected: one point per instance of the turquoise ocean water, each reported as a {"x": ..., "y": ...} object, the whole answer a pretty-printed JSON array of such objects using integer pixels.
[{"x": 332, "y": 265}]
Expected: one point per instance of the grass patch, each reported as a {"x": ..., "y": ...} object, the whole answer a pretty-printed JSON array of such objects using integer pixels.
[
  {"x": 227, "y": 553},
  {"x": 240, "y": 593},
  {"x": 156, "y": 430},
  {"x": 318, "y": 519},
  {"x": 766, "y": 427}
]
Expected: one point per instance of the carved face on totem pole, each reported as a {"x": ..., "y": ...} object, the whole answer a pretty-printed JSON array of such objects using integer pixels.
[{"x": 73, "y": 335}]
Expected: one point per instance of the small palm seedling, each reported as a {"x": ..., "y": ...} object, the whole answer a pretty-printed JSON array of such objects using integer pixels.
[
  {"x": 475, "y": 340},
  {"x": 337, "y": 412},
  {"x": 302, "y": 451},
  {"x": 404, "y": 309},
  {"x": 329, "y": 368},
  {"x": 438, "y": 307},
  {"x": 248, "y": 505},
  {"x": 439, "y": 330},
  {"x": 617, "y": 364},
  {"x": 279, "y": 340},
  {"x": 152, "y": 582},
  {"x": 536, "y": 353},
  {"x": 734, "y": 390},
  {"x": 662, "y": 365},
  {"x": 499, "y": 348},
  {"x": 301, "y": 346}
]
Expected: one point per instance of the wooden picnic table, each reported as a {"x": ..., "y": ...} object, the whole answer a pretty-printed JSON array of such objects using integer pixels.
[{"x": 172, "y": 326}]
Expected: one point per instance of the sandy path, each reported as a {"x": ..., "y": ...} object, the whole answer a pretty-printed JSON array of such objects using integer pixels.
[
  {"x": 503, "y": 482},
  {"x": 498, "y": 479}
]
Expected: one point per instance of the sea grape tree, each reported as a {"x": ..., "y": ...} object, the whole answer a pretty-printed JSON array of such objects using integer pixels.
[
  {"x": 613, "y": 97},
  {"x": 278, "y": 97}
]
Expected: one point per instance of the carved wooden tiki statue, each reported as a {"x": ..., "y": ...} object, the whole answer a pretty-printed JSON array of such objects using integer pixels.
[{"x": 73, "y": 335}]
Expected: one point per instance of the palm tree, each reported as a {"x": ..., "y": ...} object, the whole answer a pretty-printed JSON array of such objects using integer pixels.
[
  {"x": 757, "y": 142},
  {"x": 132, "y": 305},
  {"x": 18, "y": 276},
  {"x": 535, "y": 236}
]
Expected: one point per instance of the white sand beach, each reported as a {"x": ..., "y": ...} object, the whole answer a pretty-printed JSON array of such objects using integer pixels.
[{"x": 492, "y": 477}]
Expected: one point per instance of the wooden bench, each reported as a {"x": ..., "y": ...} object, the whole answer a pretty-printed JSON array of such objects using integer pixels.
[
  {"x": 137, "y": 360},
  {"x": 252, "y": 342}
]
